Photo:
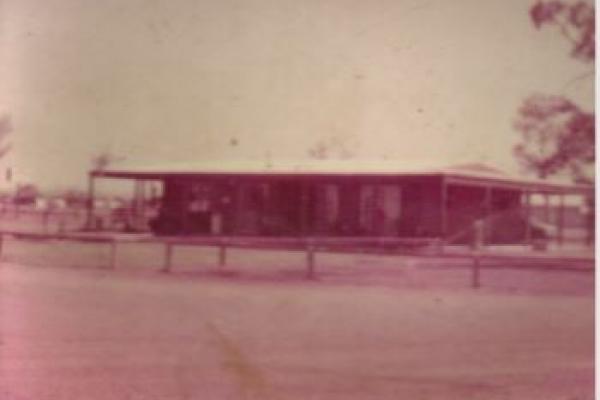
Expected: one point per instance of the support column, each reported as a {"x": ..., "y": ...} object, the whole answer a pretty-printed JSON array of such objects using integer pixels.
[
  {"x": 184, "y": 187},
  {"x": 89, "y": 219},
  {"x": 238, "y": 209},
  {"x": 487, "y": 214},
  {"x": 139, "y": 203},
  {"x": 262, "y": 205},
  {"x": 45, "y": 220},
  {"x": 590, "y": 220},
  {"x": 546, "y": 208},
  {"x": 528, "y": 238},
  {"x": 304, "y": 211},
  {"x": 444, "y": 211},
  {"x": 561, "y": 219}
]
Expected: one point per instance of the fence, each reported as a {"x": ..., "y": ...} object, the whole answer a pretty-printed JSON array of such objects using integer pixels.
[
  {"x": 476, "y": 260},
  {"x": 61, "y": 220},
  {"x": 46, "y": 221}
]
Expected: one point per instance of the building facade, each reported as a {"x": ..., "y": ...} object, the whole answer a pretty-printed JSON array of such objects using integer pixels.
[{"x": 327, "y": 201}]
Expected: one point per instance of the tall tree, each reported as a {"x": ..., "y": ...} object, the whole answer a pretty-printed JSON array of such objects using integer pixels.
[{"x": 558, "y": 135}]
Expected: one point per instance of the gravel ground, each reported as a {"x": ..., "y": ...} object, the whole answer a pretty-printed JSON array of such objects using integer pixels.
[{"x": 85, "y": 333}]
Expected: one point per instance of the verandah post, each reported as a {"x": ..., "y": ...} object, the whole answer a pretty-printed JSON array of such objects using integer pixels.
[
  {"x": 528, "y": 235},
  {"x": 561, "y": 219},
  {"x": 89, "y": 219},
  {"x": 487, "y": 217},
  {"x": 304, "y": 214},
  {"x": 547, "y": 207},
  {"x": 444, "y": 212},
  {"x": 45, "y": 219},
  {"x": 590, "y": 219}
]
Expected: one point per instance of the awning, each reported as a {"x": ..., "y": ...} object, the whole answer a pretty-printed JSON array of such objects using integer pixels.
[{"x": 475, "y": 174}]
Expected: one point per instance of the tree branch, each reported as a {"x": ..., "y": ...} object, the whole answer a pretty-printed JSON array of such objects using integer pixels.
[
  {"x": 564, "y": 29},
  {"x": 578, "y": 78}
]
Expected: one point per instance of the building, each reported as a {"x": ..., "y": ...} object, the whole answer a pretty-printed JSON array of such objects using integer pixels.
[{"x": 344, "y": 198}]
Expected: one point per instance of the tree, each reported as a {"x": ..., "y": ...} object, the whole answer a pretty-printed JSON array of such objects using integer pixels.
[
  {"x": 576, "y": 22},
  {"x": 558, "y": 136},
  {"x": 102, "y": 160}
]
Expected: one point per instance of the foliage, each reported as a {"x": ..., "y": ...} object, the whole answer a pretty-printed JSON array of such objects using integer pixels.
[
  {"x": 576, "y": 22},
  {"x": 557, "y": 134}
]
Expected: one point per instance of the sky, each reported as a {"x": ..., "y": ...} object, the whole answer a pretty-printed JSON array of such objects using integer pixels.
[{"x": 160, "y": 81}]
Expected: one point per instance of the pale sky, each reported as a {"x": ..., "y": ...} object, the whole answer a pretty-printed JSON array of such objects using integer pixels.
[{"x": 172, "y": 80}]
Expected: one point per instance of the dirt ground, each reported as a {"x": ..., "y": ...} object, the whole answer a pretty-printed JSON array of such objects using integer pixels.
[{"x": 368, "y": 328}]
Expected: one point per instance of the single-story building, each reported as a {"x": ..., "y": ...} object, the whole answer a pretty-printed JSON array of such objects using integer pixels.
[{"x": 343, "y": 199}]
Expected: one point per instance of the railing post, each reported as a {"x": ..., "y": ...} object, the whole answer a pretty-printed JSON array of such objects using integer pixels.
[
  {"x": 476, "y": 272},
  {"x": 168, "y": 256},
  {"x": 479, "y": 232},
  {"x": 440, "y": 246},
  {"x": 222, "y": 253},
  {"x": 113, "y": 253},
  {"x": 479, "y": 228}
]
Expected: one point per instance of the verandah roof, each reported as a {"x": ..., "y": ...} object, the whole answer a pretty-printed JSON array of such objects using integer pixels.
[{"x": 467, "y": 174}]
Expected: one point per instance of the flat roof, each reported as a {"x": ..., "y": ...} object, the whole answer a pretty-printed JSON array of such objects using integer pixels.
[{"x": 467, "y": 174}]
